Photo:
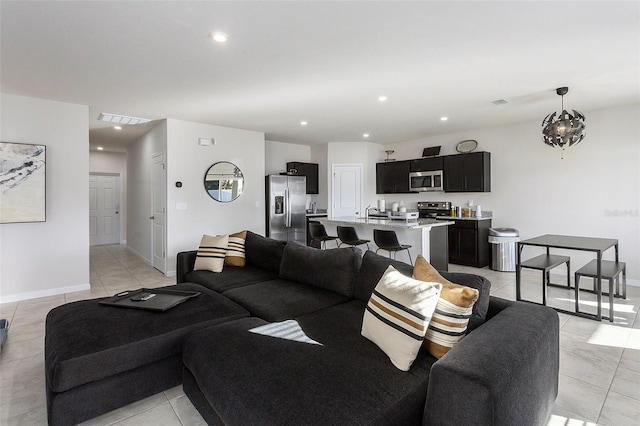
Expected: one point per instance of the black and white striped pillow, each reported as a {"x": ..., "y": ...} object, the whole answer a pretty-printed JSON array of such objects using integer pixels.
[
  {"x": 211, "y": 253},
  {"x": 398, "y": 314}
]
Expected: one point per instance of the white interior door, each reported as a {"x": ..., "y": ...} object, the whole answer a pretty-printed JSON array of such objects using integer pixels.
[
  {"x": 104, "y": 208},
  {"x": 158, "y": 212},
  {"x": 347, "y": 190}
]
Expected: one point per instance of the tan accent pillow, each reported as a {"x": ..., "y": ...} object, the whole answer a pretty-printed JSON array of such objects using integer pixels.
[
  {"x": 235, "y": 249},
  {"x": 211, "y": 253},
  {"x": 450, "y": 320},
  {"x": 397, "y": 316}
]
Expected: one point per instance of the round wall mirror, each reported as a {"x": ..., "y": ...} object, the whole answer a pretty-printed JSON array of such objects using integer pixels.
[{"x": 224, "y": 181}]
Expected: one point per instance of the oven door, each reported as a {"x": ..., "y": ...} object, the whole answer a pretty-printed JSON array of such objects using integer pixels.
[{"x": 425, "y": 181}]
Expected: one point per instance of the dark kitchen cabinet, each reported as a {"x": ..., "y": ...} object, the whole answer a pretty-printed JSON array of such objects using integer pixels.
[
  {"x": 467, "y": 172},
  {"x": 393, "y": 177},
  {"x": 427, "y": 164},
  {"x": 469, "y": 243},
  {"x": 310, "y": 170}
]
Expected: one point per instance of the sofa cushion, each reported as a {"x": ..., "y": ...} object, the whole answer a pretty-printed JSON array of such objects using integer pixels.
[
  {"x": 453, "y": 311},
  {"x": 235, "y": 250},
  {"x": 371, "y": 270},
  {"x": 398, "y": 314},
  {"x": 211, "y": 253},
  {"x": 280, "y": 299},
  {"x": 263, "y": 252},
  {"x": 86, "y": 341},
  {"x": 287, "y": 382},
  {"x": 231, "y": 277},
  {"x": 333, "y": 269}
]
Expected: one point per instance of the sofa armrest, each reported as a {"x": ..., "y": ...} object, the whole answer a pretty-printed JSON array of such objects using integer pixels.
[
  {"x": 184, "y": 264},
  {"x": 503, "y": 373}
]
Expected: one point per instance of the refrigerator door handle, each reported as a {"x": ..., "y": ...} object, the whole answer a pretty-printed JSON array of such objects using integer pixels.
[{"x": 287, "y": 209}]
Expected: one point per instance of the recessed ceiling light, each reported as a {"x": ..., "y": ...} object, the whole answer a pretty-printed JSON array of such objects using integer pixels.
[
  {"x": 382, "y": 98},
  {"x": 99, "y": 148},
  {"x": 303, "y": 123},
  {"x": 219, "y": 36},
  {"x": 122, "y": 119},
  {"x": 444, "y": 118},
  {"x": 365, "y": 135},
  {"x": 117, "y": 127}
]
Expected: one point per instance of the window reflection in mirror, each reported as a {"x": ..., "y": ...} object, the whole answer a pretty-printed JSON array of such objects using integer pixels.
[{"x": 224, "y": 181}]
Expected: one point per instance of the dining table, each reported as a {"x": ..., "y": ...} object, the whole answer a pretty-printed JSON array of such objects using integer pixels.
[{"x": 569, "y": 242}]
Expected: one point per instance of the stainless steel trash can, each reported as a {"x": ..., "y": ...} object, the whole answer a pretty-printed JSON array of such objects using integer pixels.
[{"x": 503, "y": 248}]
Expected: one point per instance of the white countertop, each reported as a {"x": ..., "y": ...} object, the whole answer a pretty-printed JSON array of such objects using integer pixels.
[
  {"x": 465, "y": 218},
  {"x": 410, "y": 224}
]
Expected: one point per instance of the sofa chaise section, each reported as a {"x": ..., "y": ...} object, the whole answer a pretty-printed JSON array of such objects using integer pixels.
[
  {"x": 314, "y": 370},
  {"x": 98, "y": 358}
]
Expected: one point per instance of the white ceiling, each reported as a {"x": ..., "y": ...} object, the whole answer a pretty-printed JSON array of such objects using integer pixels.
[{"x": 323, "y": 62}]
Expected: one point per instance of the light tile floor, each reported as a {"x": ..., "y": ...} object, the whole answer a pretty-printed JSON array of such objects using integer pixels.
[{"x": 599, "y": 361}]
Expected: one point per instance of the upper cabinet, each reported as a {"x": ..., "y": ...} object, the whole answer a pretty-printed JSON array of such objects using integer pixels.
[
  {"x": 467, "y": 172},
  {"x": 310, "y": 170},
  {"x": 427, "y": 164},
  {"x": 393, "y": 177}
]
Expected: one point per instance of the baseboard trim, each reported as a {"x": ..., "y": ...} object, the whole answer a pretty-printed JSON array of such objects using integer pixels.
[{"x": 44, "y": 293}]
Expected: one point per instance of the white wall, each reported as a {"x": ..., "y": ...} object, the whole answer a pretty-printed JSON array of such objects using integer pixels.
[
  {"x": 113, "y": 162},
  {"x": 278, "y": 154},
  {"x": 319, "y": 154},
  {"x": 52, "y": 257},
  {"x": 188, "y": 163},
  {"x": 594, "y": 191},
  {"x": 139, "y": 162}
]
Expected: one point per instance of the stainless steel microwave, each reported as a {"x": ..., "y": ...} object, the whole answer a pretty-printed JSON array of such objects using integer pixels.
[{"x": 426, "y": 181}]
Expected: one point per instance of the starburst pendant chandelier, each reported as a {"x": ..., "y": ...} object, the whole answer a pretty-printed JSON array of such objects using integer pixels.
[{"x": 560, "y": 129}]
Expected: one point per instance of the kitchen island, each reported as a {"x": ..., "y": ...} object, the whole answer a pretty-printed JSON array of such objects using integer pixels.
[{"x": 428, "y": 237}]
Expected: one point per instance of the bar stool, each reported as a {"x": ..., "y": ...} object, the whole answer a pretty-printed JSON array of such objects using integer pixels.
[
  {"x": 319, "y": 233},
  {"x": 388, "y": 240},
  {"x": 610, "y": 270},
  {"x": 349, "y": 236},
  {"x": 545, "y": 263}
]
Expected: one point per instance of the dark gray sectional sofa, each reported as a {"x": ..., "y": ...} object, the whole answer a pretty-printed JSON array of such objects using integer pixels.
[{"x": 277, "y": 342}]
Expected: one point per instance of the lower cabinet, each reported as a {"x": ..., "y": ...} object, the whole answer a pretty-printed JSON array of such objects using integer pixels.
[{"x": 469, "y": 243}]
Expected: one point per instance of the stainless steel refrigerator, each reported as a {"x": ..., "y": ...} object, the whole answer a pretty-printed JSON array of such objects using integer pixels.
[{"x": 286, "y": 208}]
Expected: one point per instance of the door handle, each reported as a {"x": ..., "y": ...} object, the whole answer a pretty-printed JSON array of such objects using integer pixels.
[{"x": 152, "y": 217}]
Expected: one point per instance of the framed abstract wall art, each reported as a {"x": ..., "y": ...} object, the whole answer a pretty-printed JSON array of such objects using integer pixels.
[{"x": 22, "y": 182}]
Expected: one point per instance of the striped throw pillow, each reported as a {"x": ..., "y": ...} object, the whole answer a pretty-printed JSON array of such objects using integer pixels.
[
  {"x": 450, "y": 320},
  {"x": 397, "y": 315},
  {"x": 235, "y": 249},
  {"x": 211, "y": 253}
]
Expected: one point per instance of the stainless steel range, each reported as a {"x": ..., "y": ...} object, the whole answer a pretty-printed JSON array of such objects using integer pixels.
[{"x": 434, "y": 208}]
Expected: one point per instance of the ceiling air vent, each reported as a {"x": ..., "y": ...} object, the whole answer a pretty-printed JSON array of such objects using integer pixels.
[
  {"x": 122, "y": 119},
  {"x": 499, "y": 102}
]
